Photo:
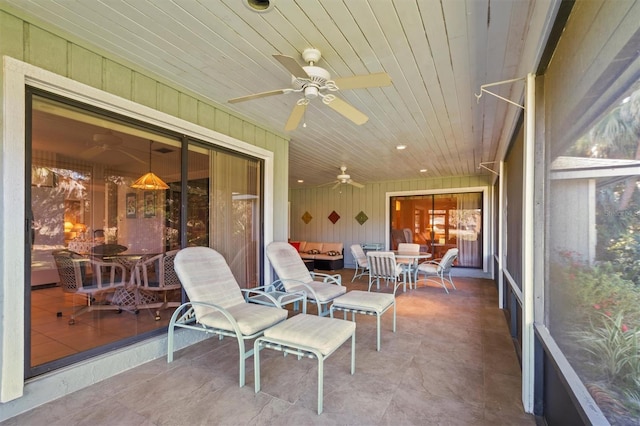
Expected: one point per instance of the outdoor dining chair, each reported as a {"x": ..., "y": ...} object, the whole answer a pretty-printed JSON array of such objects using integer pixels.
[
  {"x": 383, "y": 266},
  {"x": 438, "y": 270},
  {"x": 362, "y": 265}
]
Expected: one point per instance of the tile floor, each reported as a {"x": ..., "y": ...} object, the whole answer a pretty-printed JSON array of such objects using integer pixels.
[
  {"x": 451, "y": 362},
  {"x": 53, "y": 337}
]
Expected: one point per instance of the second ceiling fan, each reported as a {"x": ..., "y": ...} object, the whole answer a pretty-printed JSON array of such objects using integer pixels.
[{"x": 312, "y": 81}]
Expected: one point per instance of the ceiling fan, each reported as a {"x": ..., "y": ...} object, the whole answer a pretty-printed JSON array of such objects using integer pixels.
[
  {"x": 313, "y": 81},
  {"x": 107, "y": 142},
  {"x": 344, "y": 178}
]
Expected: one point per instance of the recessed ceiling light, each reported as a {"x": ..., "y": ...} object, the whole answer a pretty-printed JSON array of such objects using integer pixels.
[
  {"x": 399, "y": 147},
  {"x": 260, "y": 6},
  {"x": 300, "y": 181},
  {"x": 423, "y": 170}
]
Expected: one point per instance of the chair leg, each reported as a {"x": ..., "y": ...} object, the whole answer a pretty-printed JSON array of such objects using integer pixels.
[
  {"x": 378, "y": 330},
  {"x": 443, "y": 284},
  {"x": 355, "y": 275},
  {"x": 320, "y": 381},
  {"x": 451, "y": 281}
]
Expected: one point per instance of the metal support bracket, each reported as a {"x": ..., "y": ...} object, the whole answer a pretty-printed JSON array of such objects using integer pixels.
[
  {"x": 483, "y": 166},
  {"x": 482, "y": 89}
]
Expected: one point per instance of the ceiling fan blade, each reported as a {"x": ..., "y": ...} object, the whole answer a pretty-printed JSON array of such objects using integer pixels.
[
  {"x": 328, "y": 183},
  {"x": 336, "y": 185},
  {"x": 348, "y": 111},
  {"x": 356, "y": 184},
  {"x": 292, "y": 66},
  {"x": 128, "y": 154},
  {"x": 256, "y": 96},
  {"x": 88, "y": 154},
  {"x": 294, "y": 119},
  {"x": 363, "y": 81}
]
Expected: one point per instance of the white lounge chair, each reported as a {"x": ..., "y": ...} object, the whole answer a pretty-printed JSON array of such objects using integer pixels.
[
  {"x": 294, "y": 276},
  {"x": 217, "y": 305}
]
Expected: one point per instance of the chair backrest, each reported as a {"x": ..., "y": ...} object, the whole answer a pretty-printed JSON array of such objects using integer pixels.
[
  {"x": 408, "y": 235},
  {"x": 148, "y": 273},
  {"x": 170, "y": 278},
  {"x": 409, "y": 248},
  {"x": 382, "y": 264},
  {"x": 206, "y": 277},
  {"x": 71, "y": 269},
  {"x": 358, "y": 254},
  {"x": 447, "y": 260},
  {"x": 287, "y": 263}
]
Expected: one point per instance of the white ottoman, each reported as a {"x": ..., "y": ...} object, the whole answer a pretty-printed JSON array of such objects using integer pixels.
[
  {"x": 364, "y": 302},
  {"x": 310, "y": 336}
]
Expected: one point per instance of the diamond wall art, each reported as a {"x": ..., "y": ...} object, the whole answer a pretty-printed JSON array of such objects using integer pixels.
[
  {"x": 306, "y": 217},
  {"x": 334, "y": 217},
  {"x": 361, "y": 217}
]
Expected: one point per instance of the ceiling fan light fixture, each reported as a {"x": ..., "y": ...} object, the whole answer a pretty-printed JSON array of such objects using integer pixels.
[
  {"x": 149, "y": 181},
  {"x": 311, "y": 92}
]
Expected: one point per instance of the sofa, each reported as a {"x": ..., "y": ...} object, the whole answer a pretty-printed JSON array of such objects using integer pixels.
[{"x": 326, "y": 256}]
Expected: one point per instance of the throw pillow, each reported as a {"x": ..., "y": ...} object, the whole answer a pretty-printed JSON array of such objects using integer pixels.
[
  {"x": 313, "y": 251},
  {"x": 332, "y": 253}
]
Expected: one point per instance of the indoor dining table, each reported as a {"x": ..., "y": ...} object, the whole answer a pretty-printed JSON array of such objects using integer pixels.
[
  {"x": 129, "y": 295},
  {"x": 415, "y": 258}
]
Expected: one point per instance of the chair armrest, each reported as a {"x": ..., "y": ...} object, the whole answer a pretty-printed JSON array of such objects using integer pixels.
[
  {"x": 331, "y": 279},
  {"x": 310, "y": 292},
  {"x": 182, "y": 320},
  {"x": 248, "y": 292}
]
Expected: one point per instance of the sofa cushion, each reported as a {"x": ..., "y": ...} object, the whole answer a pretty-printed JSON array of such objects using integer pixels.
[
  {"x": 295, "y": 244},
  {"x": 309, "y": 246},
  {"x": 327, "y": 247}
]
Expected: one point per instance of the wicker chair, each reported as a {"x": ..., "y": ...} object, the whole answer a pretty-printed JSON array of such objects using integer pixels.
[
  {"x": 156, "y": 280},
  {"x": 88, "y": 278}
]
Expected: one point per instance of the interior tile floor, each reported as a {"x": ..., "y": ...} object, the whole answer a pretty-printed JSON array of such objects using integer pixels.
[{"x": 451, "y": 362}]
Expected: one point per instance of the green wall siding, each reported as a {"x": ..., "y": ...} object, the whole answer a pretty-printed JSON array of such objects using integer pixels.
[
  {"x": 49, "y": 50},
  {"x": 348, "y": 201}
]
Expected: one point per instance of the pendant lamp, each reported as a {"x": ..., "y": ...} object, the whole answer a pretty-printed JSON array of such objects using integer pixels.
[{"x": 149, "y": 181}]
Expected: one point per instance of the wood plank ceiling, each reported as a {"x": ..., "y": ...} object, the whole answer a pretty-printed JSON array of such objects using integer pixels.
[{"x": 437, "y": 52}]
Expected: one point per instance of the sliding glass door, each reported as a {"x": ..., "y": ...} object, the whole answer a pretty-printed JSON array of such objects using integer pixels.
[
  {"x": 439, "y": 222},
  {"x": 108, "y": 196}
]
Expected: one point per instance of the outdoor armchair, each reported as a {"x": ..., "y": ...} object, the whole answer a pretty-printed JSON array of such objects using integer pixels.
[{"x": 438, "y": 270}]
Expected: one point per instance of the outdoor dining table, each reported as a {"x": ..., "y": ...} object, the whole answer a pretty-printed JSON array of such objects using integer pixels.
[{"x": 415, "y": 259}]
